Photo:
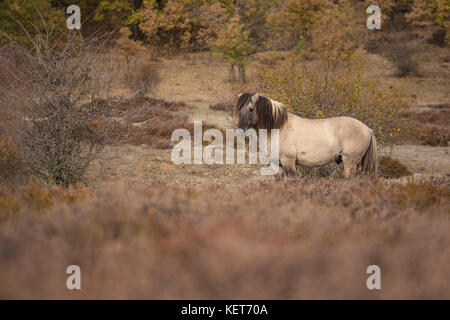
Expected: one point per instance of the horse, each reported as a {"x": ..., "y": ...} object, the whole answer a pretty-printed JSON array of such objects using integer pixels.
[{"x": 310, "y": 142}]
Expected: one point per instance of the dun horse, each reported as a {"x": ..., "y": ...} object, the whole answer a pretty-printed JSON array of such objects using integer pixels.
[{"x": 308, "y": 142}]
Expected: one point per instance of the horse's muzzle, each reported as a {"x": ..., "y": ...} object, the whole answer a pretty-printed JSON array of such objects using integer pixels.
[
  {"x": 242, "y": 126},
  {"x": 240, "y": 132}
]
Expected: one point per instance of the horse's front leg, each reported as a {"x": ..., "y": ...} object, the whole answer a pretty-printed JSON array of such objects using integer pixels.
[{"x": 288, "y": 166}]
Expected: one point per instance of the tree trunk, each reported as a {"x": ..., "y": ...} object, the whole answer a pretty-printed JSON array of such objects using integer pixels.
[
  {"x": 232, "y": 76},
  {"x": 136, "y": 33},
  {"x": 241, "y": 72}
]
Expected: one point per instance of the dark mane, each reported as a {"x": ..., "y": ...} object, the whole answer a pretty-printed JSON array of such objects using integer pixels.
[
  {"x": 243, "y": 100},
  {"x": 270, "y": 116}
]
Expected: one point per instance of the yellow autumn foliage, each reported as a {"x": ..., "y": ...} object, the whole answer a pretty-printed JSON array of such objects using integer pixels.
[{"x": 320, "y": 92}]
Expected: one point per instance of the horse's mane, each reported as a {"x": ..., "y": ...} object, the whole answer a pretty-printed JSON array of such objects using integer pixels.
[
  {"x": 271, "y": 114},
  {"x": 243, "y": 99}
]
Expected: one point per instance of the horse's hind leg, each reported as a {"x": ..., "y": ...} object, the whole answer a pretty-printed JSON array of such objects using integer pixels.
[{"x": 349, "y": 165}]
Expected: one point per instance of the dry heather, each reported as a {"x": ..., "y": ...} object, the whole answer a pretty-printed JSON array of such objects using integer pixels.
[
  {"x": 431, "y": 126},
  {"x": 294, "y": 239},
  {"x": 392, "y": 168},
  {"x": 151, "y": 121}
]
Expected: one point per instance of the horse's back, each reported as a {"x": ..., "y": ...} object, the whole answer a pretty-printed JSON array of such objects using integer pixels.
[{"x": 337, "y": 126}]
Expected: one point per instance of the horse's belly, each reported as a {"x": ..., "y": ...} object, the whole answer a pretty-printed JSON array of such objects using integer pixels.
[
  {"x": 317, "y": 155},
  {"x": 312, "y": 160},
  {"x": 315, "y": 142}
]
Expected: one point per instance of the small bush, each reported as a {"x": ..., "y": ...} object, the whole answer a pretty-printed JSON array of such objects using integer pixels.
[
  {"x": 434, "y": 137},
  {"x": 438, "y": 38},
  {"x": 392, "y": 168},
  {"x": 141, "y": 79},
  {"x": 402, "y": 53}
]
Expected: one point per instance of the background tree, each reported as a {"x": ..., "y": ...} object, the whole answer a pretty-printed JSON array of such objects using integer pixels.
[
  {"x": 235, "y": 46},
  {"x": 436, "y": 11},
  {"x": 333, "y": 34},
  {"x": 35, "y": 15},
  {"x": 252, "y": 14},
  {"x": 292, "y": 20}
]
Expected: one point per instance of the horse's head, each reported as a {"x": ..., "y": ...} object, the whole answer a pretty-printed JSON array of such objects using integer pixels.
[
  {"x": 258, "y": 112},
  {"x": 246, "y": 110}
]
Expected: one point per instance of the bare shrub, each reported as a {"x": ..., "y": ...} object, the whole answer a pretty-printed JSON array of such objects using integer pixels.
[
  {"x": 403, "y": 52},
  {"x": 141, "y": 79},
  {"x": 62, "y": 86}
]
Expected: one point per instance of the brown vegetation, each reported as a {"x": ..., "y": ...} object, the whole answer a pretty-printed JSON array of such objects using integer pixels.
[
  {"x": 151, "y": 122},
  {"x": 430, "y": 127},
  {"x": 392, "y": 168},
  {"x": 295, "y": 239},
  {"x": 50, "y": 101},
  {"x": 317, "y": 91},
  {"x": 141, "y": 79},
  {"x": 223, "y": 106},
  {"x": 403, "y": 54}
]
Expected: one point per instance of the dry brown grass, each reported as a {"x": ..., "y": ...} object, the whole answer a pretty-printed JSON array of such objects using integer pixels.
[{"x": 293, "y": 239}]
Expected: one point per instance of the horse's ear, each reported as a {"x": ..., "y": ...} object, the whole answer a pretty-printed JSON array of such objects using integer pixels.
[{"x": 255, "y": 97}]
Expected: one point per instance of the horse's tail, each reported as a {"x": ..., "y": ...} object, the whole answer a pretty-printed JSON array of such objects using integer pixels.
[{"x": 369, "y": 161}]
